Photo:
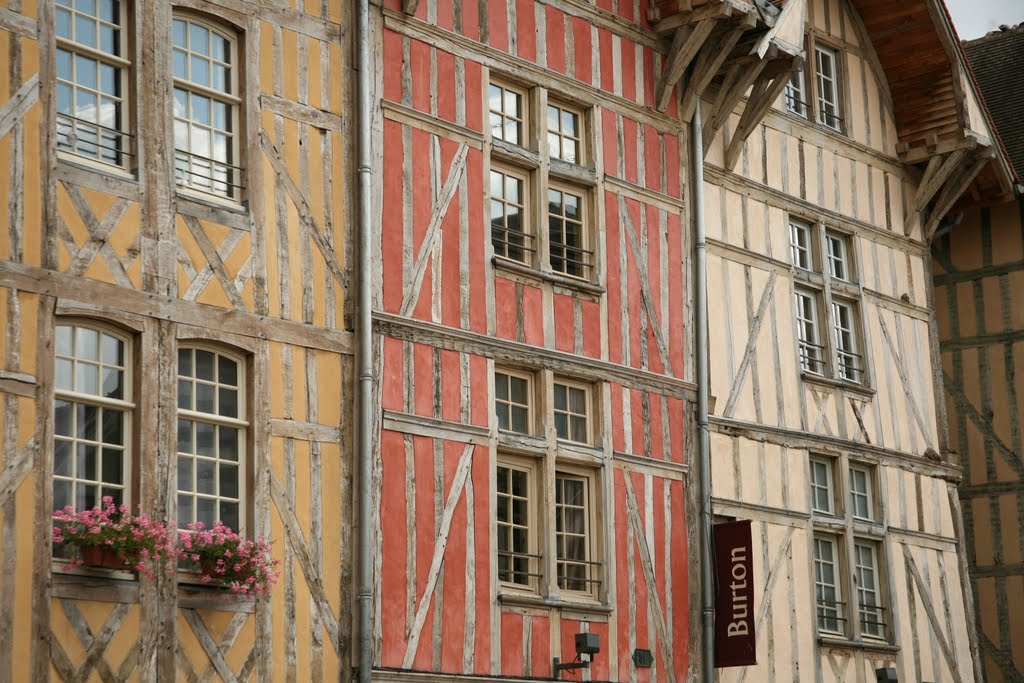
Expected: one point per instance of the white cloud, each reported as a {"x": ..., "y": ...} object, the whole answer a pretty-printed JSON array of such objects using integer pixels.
[{"x": 975, "y": 18}]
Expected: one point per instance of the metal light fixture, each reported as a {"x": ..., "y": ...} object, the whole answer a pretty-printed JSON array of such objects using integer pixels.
[{"x": 586, "y": 644}]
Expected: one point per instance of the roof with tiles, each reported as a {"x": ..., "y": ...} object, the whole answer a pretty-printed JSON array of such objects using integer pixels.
[{"x": 997, "y": 60}]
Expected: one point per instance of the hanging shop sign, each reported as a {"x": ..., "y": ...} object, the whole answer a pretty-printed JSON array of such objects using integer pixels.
[{"x": 735, "y": 640}]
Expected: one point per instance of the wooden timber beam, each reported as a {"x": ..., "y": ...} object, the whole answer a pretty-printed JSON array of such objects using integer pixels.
[
  {"x": 765, "y": 91},
  {"x": 741, "y": 76},
  {"x": 713, "y": 9},
  {"x": 710, "y": 60},
  {"x": 687, "y": 42},
  {"x": 939, "y": 170},
  {"x": 409, "y": 6},
  {"x": 953, "y": 190}
]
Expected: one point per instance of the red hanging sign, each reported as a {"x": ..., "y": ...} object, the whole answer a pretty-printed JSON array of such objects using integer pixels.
[{"x": 735, "y": 640}]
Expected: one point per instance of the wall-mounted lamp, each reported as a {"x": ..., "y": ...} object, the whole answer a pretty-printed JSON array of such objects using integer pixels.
[{"x": 586, "y": 644}]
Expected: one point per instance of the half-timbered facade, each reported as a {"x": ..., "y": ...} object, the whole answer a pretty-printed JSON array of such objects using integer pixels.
[
  {"x": 175, "y": 269},
  {"x": 976, "y": 266},
  {"x": 829, "y": 430},
  {"x": 532, "y": 327}
]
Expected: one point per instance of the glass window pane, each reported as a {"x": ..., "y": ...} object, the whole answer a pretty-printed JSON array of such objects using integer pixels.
[
  {"x": 180, "y": 63},
  {"x": 204, "y": 398},
  {"x": 228, "y": 403},
  {"x": 206, "y": 511},
  {"x": 85, "y": 31},
  {"x": 184, "y": 510},
  {"x": 86, "y": 461},
  {"x": 185, "y": 474},
  {"x": 562, "y": 425},
  {"x": 62, "y": 466},
  {"x": 185, "y": 394},
  {"x": 229, "y": 515},
  {"x": 113, "y": 383},
  {"x": 227, "y": 371},
  {"x": 62, "y": 373},
  {"x": 63, "y": 24},
  {"x": 206, "y": 477},
  {"x": 229, "y": 481},
  {"x": 199, "y": 71},
  {"x": 204, "y": 439},
  {"x": 201, "y": 109},
  {"x": 110, "y": 11},
  {"x": 63, "y": 411},
  {"x": 113, "y": 466},
  {"x": 61, "y": 494},
  {"x": 87, "y": 345},
  {"x": 501, "y": 410},
  {"x": 199, "y": 39},
  {"x": 86, "y": 421},
  {"x": 113, "y": 427},
  {"x": 228, "y": 438},
  {"x": 110, "y": 39},
  {"x": 219, "y": 48},
  {"x": 204, "y": 364},
  {"x": 520, "y": 420},
  {"x": 185, "y": 443},
  {"x": 178, "y": 32}
]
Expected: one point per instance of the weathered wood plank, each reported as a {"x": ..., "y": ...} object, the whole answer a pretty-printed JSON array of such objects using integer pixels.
[
  {"x": 755, "y": 330},
  {"x": 15, "y": 108}
]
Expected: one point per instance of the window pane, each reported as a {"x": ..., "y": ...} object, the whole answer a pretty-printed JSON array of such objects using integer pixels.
[
  {"x": 113, "y": 466},
  {"x": 113, "y": 427},
  {"x": 62, "y": 374},
  {"x": 228, "y": 439},
  {"x": 87, "y": 343},
  {"x": 229, "y": 515},
  {"x": 185, "y": 443},
  {"x": 205, "y": 439},
  {"x": 178, "y": 32},
  {"x": 62, "y": 466},
  {"x": 206, "y": 478},
  {"x": 86, "y": 422},
  {"x": 204, "y": 364},
  {"x": 185, "y": 510},
  {"x": 199, "y": 39},
  {"x": 185, "y": 480},
  {"x": 229, "y": 481},
  {"x": 204, "y": 398},
  {"x": 62, "y": 418}
]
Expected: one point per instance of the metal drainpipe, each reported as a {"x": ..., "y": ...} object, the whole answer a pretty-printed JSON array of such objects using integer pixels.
[
  {"x": 364, "y": 337},
  {"x": 703, "y": 376}
]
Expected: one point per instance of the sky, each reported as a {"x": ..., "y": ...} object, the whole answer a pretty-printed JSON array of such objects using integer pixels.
[{"x": 975, "y": 18}]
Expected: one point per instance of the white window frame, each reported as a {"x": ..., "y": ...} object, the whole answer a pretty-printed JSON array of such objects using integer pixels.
[
  {"x": 802, "y": 253},
  {"x": 226, "y": 179},
  {"x": 867, "y": 494},
  {"x": 794, "y": 94},
  {"x": 504, "y": 245},
  {"x": 502, "y": 116},
  {"x": 593, "y": 568},
  {"x": 828, "y": 486},
  {"x": 533, "y": 528},
  {"x": 829, "y": 110},
  {"x": 577, "y": 260},
  {"x": 239, "y": 423},
  {"x": 829, "y": 611},
  {"x": 837, "y": 247},
  {"x": 872, "y": 623},
  {"x": 530, "y": 397},
  {"x": 570, "y": 414},
  {"x": 117, "y": 138},
  {"x": 73, "y": 397},
  {"x": 849, "y": 363},
  {"x": 560, "y": 137},
  {"x": 809, "y": 347}
]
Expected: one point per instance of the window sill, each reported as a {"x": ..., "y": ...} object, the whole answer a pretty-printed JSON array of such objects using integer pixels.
[
  {"x": 577, "y": 285},
  {"x": 840, "y": 643},
  {"x": 515, "y": 598},
  {"x": 106, "y": 585},
  {"x": 811, "y": 378},
  {"x": 95, "y": 166},
  {"x": 813, "y": 123},
  {"x": 522, "y": 443},
  {"x": 210, "y": 200}
]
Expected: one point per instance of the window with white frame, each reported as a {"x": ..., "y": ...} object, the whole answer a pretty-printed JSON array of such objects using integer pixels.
[
  {"x": 509, "y": 213},
  {"x": 92, "y": 80},
  {"x": 825, "y": 302},
  {"x": 796, "y": 101},
  {"x": 573, "y": 533},
  {"x": 515, "y": 524},
  {"x": 815, "y": 91},
  {"x": 566, "y": 243},
  {"x": 554, "y": 549},
  {"x": 512, "y": 404},
  {"x": 862, "y": 500},
  {"x": 524, "y": 193},
  {"x": 827, "y": 586},
  {"x": 564, "y": 140},
  {"x": 206, "y": 108},
  {"x": 828, "y": 87},
  {"x": 571, "y": 410},
  {"x": 801, "y": 247},
  {"x": 506, "y": 112},
  {"x": 840, "y": 549},
  {"x": 93, "y": 413},
  {"x": 822, "y": 491},
  {"x": 211, "y": 437},
  {"x": 869, "y": 593}
]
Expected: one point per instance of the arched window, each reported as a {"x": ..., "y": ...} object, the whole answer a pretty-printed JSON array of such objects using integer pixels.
[
  {"x": 206, "y": 108},
  {"x": 212, "y": 434},
  {"x": 93, "y": 413}
]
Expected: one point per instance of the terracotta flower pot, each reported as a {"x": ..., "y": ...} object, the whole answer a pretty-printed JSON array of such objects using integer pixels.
[{"x": 102, "y": 557}]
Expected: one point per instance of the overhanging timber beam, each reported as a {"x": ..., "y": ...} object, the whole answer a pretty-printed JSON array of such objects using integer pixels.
[
  {"x": 954, "y": 188},
  {"x": 410, "y": 6},
  {"x": 710, "y": 60},
  {"x": 938, "y": 171},
  {"x": 687, "y": 43},
  {"x": 740, "y": 76}
]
